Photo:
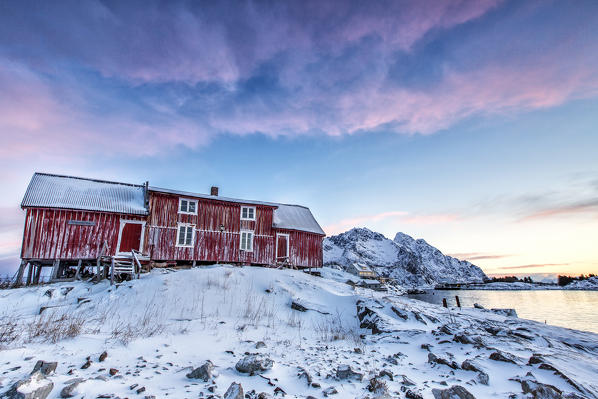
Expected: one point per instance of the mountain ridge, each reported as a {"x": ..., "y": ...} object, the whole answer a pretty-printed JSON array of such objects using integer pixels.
[{"x": 412, "y": 262}]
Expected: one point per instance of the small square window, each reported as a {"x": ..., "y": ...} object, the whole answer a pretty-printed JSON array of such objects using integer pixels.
[
  {"x": 246, "y": 240},
  {"x": 248, "y": 213},
  {"x": 187, "y": 206}
]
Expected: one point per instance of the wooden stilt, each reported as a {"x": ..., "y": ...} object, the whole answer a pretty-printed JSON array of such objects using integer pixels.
[
  {"x": 112, "y": 272},
  {"x": 19, "y": 279},
  {"x": 78, "y": 269},
  {"x": 55, "y": 268},
  {"x": 29, "y": 273},
  {"x": 38, "y": 272}
]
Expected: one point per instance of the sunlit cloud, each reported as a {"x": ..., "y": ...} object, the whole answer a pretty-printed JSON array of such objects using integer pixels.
[
  {"x": 533, "y": 266},
  {"x": 478, "y": 256},
  {"x": 189, "y": 74},
  {"x": 590, "y": 206}
]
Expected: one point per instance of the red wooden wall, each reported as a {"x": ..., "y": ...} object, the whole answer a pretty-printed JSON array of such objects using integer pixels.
[
  {"x": 48, "y": 234},
  {"x": 210, "y": 244},
  {"x": 305, "y": 249}
]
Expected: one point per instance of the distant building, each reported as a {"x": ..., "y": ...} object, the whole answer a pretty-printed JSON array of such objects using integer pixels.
[{"x": 361, "y": 270}]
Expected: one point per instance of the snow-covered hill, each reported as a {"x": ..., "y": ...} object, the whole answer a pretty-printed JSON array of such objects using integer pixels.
[
  {"x": 301, "y": 335},
  {"x": 411, "y": 262}
]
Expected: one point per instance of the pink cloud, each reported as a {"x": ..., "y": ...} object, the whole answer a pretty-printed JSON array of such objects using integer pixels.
[{"x": 564, "y": 210}]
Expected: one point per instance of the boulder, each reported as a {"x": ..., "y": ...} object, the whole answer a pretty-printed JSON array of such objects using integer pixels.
[
  {"x": 329, "y": 391},
  {"x": 478, "y": 306},
  {"x": 503, "y": 357},
  {"x": 254, "y": 363},
  {"x": 260, "y": 344},
  {"x": 432, "y": 358},
  {"x": 409, "y": 394},
  {"x": 344, "y": 372},
  {"x": 505, "y": 312},
  {"x": 454, "y": 392},
  {"x": 234, "y": 391},
  {"x": 539, "y": 390},
  {"x": 203, "y": 372},
  {"x": 46, "y": 368},
  {"x": 103, "y": 356},
  {"x": 482, "y": 376},
  {"x": 36, "y": 386},
  {"x": 304, "y": 374},
  {"x": 298, "y": 306},
  {"x": 70, "y": 390}
]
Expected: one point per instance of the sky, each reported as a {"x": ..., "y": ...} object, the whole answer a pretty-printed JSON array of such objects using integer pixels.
[{"x": 471, "y": 124}]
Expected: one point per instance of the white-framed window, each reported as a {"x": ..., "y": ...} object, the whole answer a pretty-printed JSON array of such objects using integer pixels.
[
  {"x": 246, "y": 240},
  {"x": 248, "y": 213},
  {"x": 185, "y": 235},
  {"x": 188, "y": 206}
]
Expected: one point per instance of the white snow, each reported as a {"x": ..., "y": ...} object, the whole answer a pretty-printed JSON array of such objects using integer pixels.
[
  {"x": 411, "y": 262},
  {"x": 157, "y": 328}
]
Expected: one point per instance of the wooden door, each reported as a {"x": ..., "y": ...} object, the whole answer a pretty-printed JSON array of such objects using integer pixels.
[
  {"x": 130, "y": 236},
  {"x": 282, "y": 246}
]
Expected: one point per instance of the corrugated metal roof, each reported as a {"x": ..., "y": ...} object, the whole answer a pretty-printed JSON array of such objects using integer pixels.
[
  {"x": 286, "y": 216},
  {"x": 212, "y": 197},
  {"x": 57, "y": 191},
  {"x": 296, "y": 217}
]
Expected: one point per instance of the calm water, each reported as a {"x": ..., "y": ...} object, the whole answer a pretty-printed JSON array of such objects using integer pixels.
[{"x": 572, "y": 309}]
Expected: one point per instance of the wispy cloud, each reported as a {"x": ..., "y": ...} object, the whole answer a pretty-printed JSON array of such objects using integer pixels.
[
  {"x": 531, "y": 266},
  {"x": 478, "y": 256},
  {"x": 589, "y": 206},
  {"x": 190, "y": 72}
]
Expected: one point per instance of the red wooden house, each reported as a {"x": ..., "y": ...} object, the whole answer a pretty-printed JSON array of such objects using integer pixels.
[{"x": 76, "y": 221}]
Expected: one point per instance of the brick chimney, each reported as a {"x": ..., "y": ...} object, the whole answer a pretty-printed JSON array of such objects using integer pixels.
[{"x": 214, "y": 191}]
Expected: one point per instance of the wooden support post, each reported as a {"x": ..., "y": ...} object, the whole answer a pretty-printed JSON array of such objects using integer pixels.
[
  {"x": 55, "y": 268},
  {"x": 38, "y": 272},
  {"x": 444, "y": 303},
  {"x": 112, "y": 271},
  {"x": 458, "y": 302},
  {"x": 78, "y": 269},
  {"x": 19, "y": 279},
  {"x": 29, "y": 273}
]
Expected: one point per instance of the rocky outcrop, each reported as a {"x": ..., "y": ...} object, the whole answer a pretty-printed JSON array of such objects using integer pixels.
[
  {"x": 36, "y": 386},
  {"x": 454, "y": 392},
  {"x": 254, "y": 363},
  {"x": 203, "y": 372},
  {"x": 409, "y": 261}
]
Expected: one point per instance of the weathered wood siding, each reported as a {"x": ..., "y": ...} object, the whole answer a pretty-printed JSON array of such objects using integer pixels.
[
  {"x": 48, "y": 234},
  {"x": 210, "y": 243},
  {"x": 305, "y": 249}
]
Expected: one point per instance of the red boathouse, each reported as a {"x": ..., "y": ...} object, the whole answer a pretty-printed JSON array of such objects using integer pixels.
[{"x": 82, "y": 223}]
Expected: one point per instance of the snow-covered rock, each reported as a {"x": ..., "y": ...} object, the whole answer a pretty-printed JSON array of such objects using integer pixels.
[
  {"x": 588, "y": 284},
  {"x": 411, "y": 262}
]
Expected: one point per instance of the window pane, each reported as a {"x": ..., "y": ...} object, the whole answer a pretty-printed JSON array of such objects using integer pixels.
[
  {"x": 189, "y": 235},
  {"x": 183, "y": 205},
  {"x": 191, "y": 206},
  {"x": 250, "y": 213},
  {"x": 250, "y": 241},
  {"x": 181, "y": 235},
  {"x": 243, "y": 213},
  {"x": 242, "y": 240}
]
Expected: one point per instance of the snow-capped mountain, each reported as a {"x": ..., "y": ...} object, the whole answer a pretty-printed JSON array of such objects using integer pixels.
[{"x": 411, "y": 262}]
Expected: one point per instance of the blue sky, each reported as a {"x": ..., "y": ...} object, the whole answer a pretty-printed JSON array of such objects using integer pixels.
[{"x": 469, "y": 124}]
